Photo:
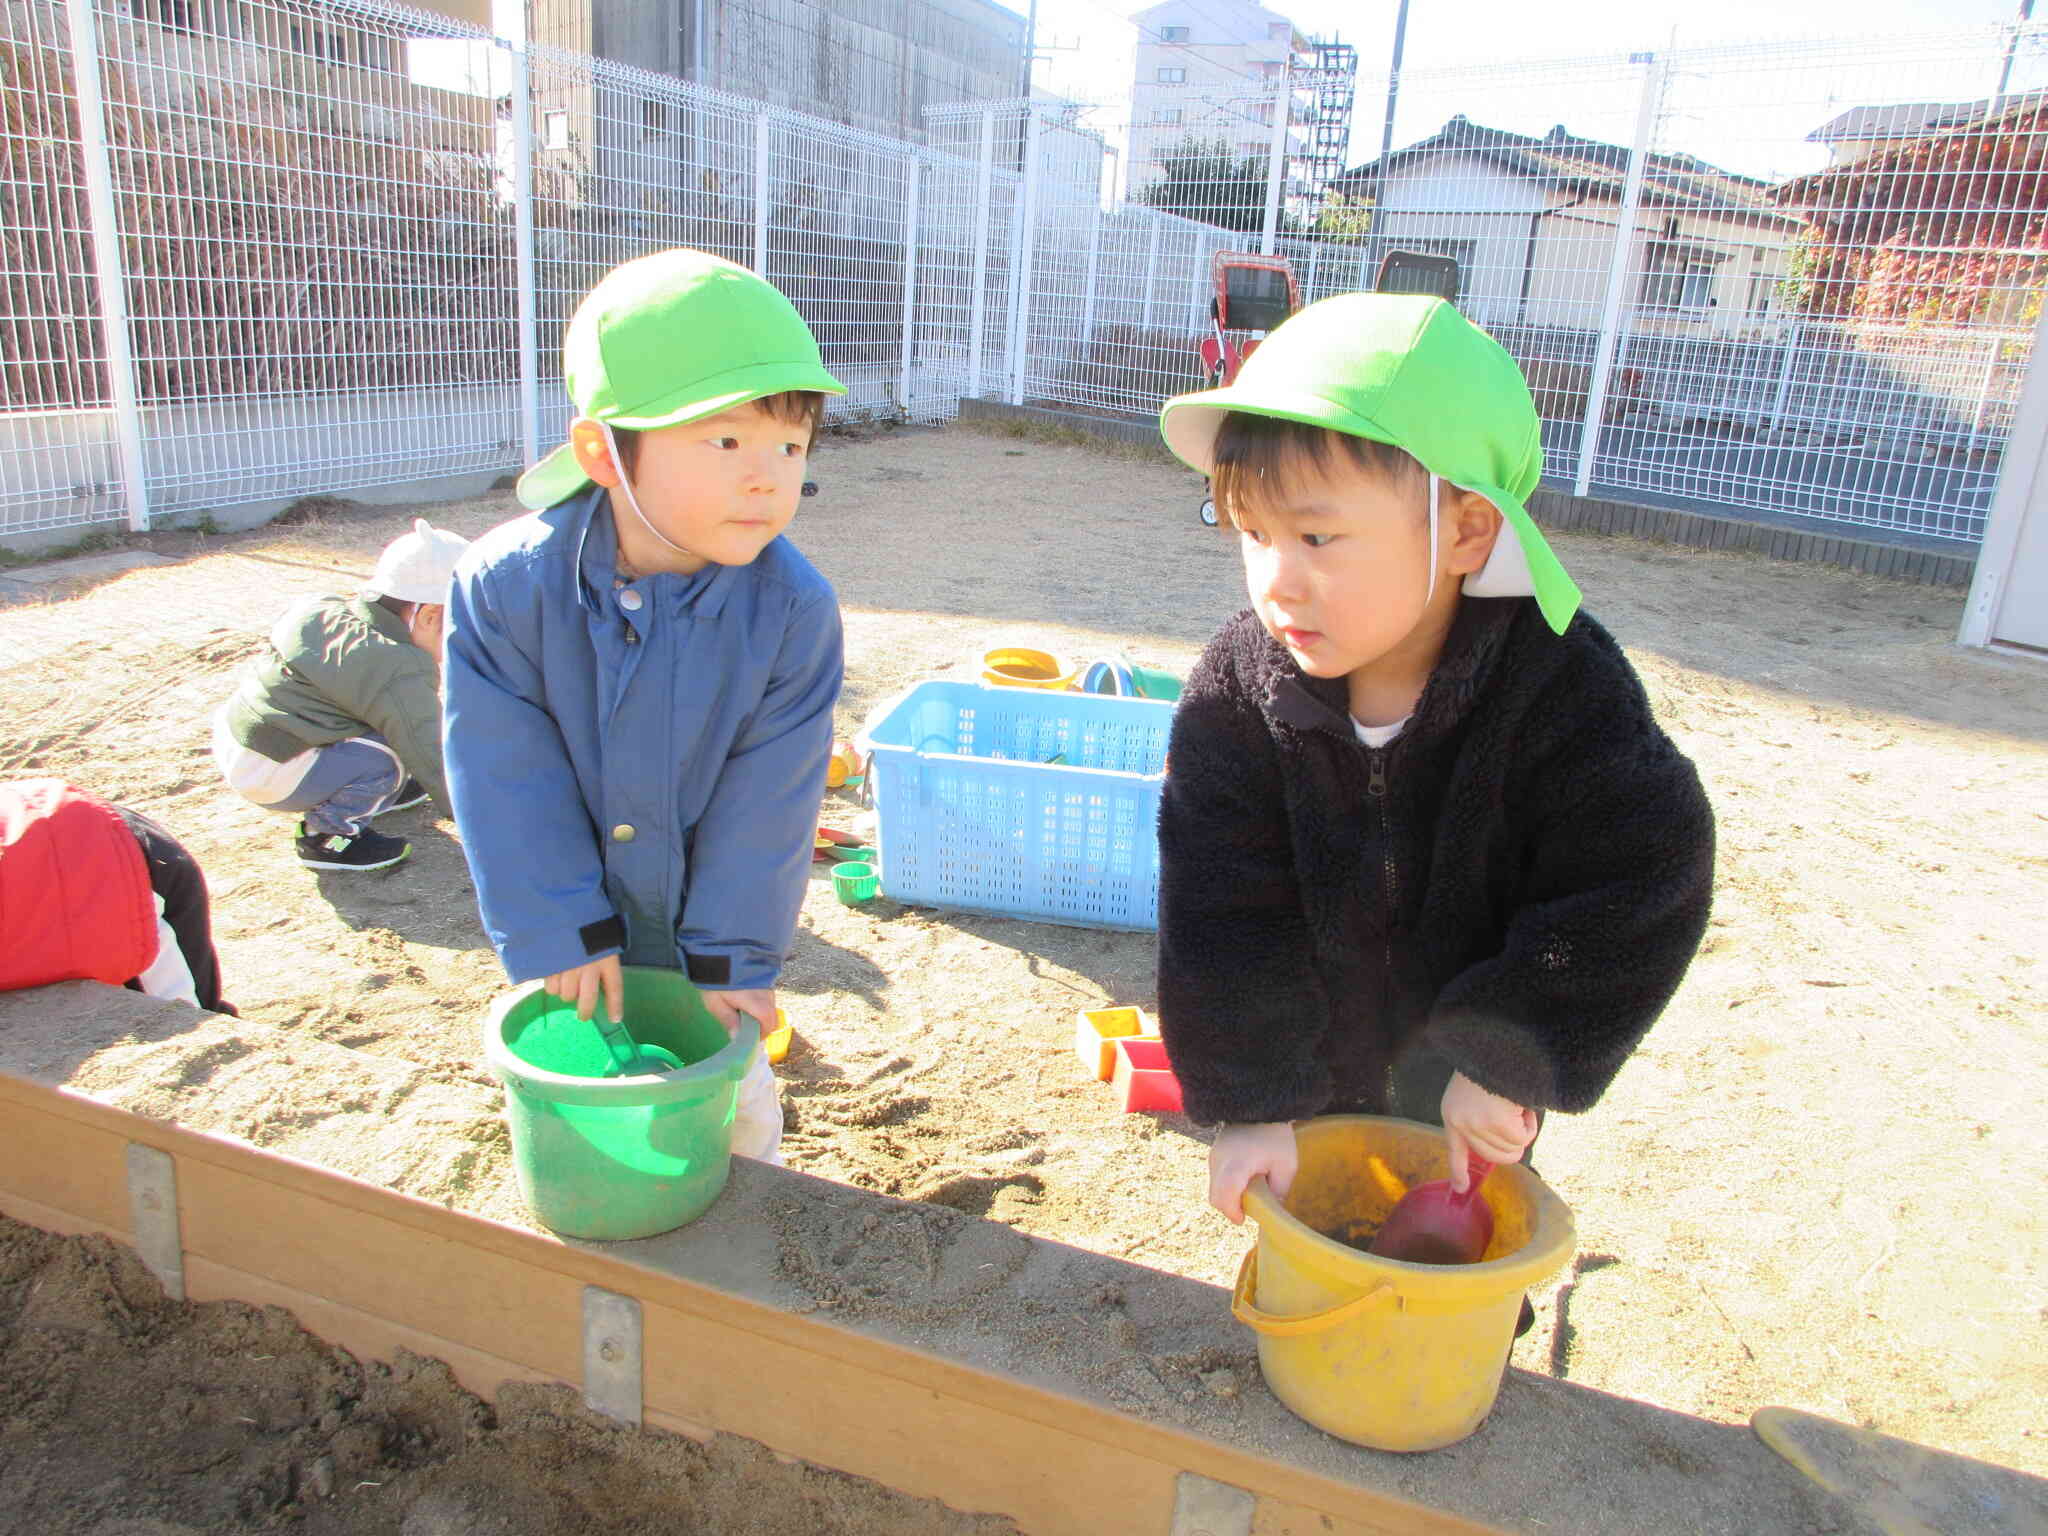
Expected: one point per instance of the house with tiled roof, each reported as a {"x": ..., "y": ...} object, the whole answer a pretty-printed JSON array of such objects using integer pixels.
[
  {"x": 1939, "y": 216},
  {"x": 1868, "y": 130},
  {"x": 1532, "y": 223}
]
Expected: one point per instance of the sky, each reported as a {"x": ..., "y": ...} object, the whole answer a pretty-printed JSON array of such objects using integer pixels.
[
  {"x": 1487, "y": 60},
  {"x": 1752, "y": 118}
]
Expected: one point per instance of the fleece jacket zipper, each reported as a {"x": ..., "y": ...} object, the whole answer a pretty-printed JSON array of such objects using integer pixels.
[{"x": 1376, "y": 791}]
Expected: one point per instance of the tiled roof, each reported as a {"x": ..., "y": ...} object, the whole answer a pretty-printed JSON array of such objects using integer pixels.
[
  {"x": 1586, "y": 168},
  {"x": 1916, "y": 119}
]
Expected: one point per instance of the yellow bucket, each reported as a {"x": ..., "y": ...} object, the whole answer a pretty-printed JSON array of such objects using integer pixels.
[
  {"x": 1400, "y": 1357},
  {"x": 1024, "y": 666}
]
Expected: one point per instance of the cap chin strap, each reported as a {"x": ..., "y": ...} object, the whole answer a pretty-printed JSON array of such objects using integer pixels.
[
  {"x": 1435, "y": 489},
  {"x": 632, "y": 501}
]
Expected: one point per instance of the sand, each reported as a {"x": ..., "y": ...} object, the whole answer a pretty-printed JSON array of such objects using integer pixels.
[
  {"x": 1811, "y": 1187},
  {"x": 124, "y": 1414}
]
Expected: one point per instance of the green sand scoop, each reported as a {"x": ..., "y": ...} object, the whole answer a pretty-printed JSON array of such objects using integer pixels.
[{"x": 629, "y": 1057}]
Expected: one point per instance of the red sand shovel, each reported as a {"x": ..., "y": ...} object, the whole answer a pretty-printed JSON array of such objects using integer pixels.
[{"x": 1432, "y": 1225}]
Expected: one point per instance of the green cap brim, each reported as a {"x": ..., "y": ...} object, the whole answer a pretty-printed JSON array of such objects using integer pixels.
[
  {"x": 1189, "y": 424},
  {"x": 558, "y": 476}
]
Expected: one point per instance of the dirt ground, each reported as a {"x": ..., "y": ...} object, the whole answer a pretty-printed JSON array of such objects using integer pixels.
[
  {"x": 225, "y": 1417},
  {"x": 1813, "y": 1186}
]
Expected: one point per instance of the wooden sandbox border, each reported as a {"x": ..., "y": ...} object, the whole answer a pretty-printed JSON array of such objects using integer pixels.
[{"x": 374, "y": 1271}]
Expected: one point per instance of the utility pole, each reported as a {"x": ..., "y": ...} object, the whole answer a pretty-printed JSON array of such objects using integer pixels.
[
  {"x": 1030, "y": 45},
  {"x": 1276, "y": 162},
  {"x": 2012, "y": 42},
  {"x": 1394, "y": 83}
]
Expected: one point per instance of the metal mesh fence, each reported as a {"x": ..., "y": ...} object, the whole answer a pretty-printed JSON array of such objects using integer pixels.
[
  {"x": 59, "y": 461},
  {"x": 251, "y": 249},
  {"x": 1799, "y": 277}
]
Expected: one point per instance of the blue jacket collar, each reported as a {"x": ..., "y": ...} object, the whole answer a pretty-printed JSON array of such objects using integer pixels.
[{"x": 597, "y": 562}]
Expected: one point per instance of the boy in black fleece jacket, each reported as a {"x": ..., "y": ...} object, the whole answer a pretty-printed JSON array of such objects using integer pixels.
[{"x": 1423, "y": 849}]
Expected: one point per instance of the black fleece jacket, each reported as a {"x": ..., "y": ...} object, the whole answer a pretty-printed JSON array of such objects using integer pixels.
[{"x": 1516, "y": 884}]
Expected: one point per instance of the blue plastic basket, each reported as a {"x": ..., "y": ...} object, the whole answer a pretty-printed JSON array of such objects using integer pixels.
[{"x": 971, "y": 814}]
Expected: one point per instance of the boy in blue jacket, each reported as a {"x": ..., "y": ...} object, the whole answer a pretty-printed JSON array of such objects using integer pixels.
[{"x": 641, "y": 673}]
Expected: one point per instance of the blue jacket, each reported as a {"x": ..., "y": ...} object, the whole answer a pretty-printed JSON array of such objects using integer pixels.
[{"x": 636, "y": 767}]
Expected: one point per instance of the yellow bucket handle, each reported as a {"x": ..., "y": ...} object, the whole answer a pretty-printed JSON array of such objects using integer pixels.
[{"x": 1277, "y": 1327}]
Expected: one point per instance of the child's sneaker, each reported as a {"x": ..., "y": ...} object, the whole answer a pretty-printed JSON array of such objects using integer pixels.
[
  {"x": 365, "y": 851},
  {"x": 411, "y": 793}
]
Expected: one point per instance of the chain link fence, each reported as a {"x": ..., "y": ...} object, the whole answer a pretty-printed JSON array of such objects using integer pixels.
[{"x": 256, "y": 249}]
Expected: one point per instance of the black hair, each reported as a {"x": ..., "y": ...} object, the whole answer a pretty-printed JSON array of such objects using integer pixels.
[{"x": 1254, "y": 455}]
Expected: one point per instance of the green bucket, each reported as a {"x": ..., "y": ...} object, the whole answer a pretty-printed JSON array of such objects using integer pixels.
[
  {"x": 1152, "y": 683},
  {"x": 618, "y": 1157}
]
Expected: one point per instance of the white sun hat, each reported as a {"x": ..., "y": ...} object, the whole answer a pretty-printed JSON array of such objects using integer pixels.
[{"x": 416, "y": 567}]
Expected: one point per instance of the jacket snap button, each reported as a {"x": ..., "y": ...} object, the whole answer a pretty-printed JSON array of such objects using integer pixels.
[
  {"x": 622, "y": 833},
  {"x": 630, "y": 600}
]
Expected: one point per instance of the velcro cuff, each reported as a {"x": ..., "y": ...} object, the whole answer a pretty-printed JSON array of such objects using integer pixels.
[{"x": 608, "y": 933}]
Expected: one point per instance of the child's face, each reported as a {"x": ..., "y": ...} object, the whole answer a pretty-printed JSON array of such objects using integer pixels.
[
  {"x": 1337, "y": 564},
  {"x": 723, "y": 487}
]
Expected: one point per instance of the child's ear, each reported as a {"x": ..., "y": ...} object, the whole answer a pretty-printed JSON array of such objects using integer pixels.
[
  {"x": 1470, "y": 524},
  {"x": 593, "y": 453}
]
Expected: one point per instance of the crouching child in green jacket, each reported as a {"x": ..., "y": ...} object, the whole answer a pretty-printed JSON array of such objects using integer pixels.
[{"x": 338, "y": 720}]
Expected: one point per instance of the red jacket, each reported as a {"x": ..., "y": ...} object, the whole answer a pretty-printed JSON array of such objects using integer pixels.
[{"x": 75, "y": 898}]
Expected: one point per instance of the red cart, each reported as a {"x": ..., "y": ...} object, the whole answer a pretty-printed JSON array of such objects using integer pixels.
[{"x": 1253, "y": 295}]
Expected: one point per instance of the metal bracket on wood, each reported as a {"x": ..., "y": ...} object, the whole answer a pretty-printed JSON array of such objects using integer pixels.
[
  {"x": 1204, "y": 1507},
  {"x": 611, "y": 1355},
  {"x": 153, "y": 1216}
]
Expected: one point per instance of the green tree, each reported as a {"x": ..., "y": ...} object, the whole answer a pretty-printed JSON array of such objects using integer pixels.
[
  {"x": 1343, "y": 220},
  {"x": 1202, "y": 182}
]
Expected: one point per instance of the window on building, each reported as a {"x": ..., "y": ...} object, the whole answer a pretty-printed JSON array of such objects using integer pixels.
[
  {"x": 1679, "y": 277},
  {"x": 1173, "y": 77},
  {"x": 555, "y": 130},
  {"x": 1173, "y": 34},
  {"x": 1167, "y": 115},
  {"x": 316, "y": 42},
  {"x": 342, "y": 45},
  {"x": 175, "y": 14}
]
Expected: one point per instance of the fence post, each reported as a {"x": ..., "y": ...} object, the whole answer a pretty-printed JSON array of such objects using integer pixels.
[
  {"x": 1088, "y": 288},
  {"x": 977, "y": 319},
  {"x": 1783, "y": 395},
  {"x": 1020, "y": 256},
  {"x": 1991, "y": 346},
  {"x": 761, "y": 193},
  {"x": 106, "y": 251},
  {"x": 1151, "y": 274},
  {"x": 1618, "y": 269},
  {"x": 1276, "y": 160},
  {"x": 915, "y": 176},
  {"x": 523, "y": 263}
]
